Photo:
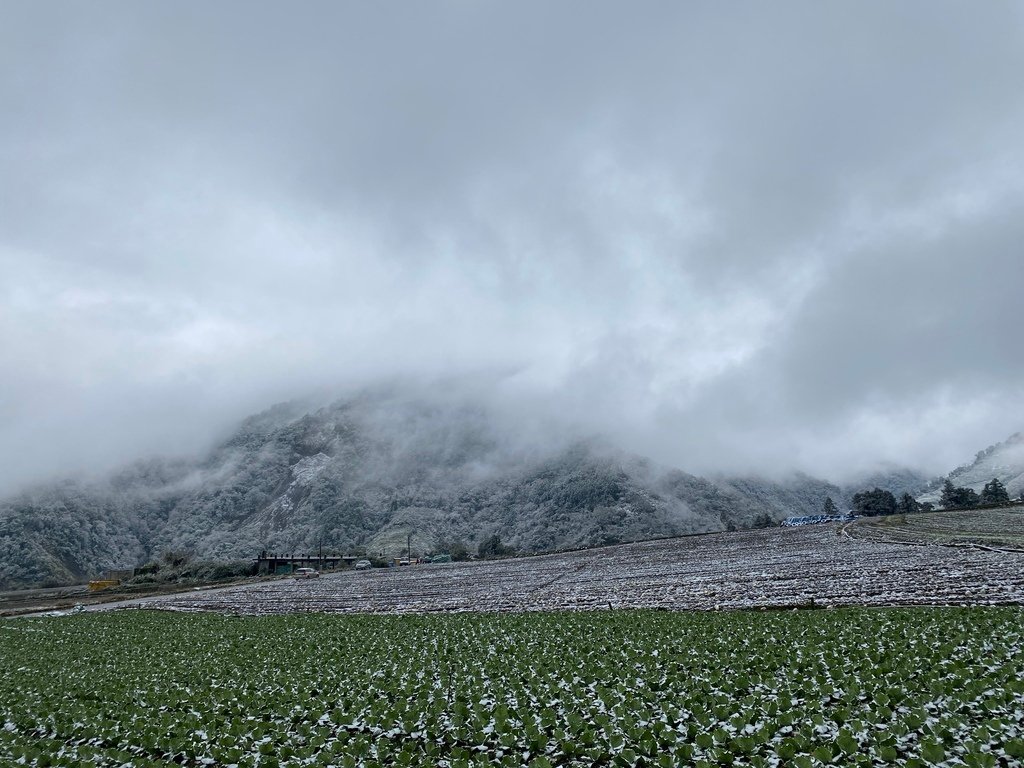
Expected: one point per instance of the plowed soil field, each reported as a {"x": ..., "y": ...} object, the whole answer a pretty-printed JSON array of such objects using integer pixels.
[{"x": 814, "y": 566}]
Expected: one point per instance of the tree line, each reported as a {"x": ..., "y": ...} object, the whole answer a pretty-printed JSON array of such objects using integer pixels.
[
  {"x": 994, "y": 493},
  {"x": 878, "y": 501}
]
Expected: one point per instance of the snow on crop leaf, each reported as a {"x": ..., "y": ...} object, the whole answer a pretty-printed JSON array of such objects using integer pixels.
[{"x": 848, "y": 687}]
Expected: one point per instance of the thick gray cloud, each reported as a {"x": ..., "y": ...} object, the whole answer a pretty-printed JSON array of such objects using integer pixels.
[{"x": 753, "y": 236}]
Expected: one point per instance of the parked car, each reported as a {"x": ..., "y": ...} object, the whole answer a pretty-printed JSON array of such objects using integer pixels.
[
  {"x": 307, "y": 573},
  {"x": 363, "y": 565}
]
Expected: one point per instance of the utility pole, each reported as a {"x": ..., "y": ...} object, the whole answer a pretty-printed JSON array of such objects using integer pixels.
[{"x": 408, "y": 547}]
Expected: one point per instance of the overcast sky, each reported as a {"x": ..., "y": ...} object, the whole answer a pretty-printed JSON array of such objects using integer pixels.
[{"x": 761, "y": 236}]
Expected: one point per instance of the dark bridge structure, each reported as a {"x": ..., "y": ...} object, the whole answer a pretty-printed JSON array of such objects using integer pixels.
[{"x": 278, "y": 563}]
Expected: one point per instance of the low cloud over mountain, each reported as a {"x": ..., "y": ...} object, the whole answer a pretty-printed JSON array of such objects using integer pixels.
[
  {"x": 363, "y": 475},
  {"x": 779, "y": 239}
]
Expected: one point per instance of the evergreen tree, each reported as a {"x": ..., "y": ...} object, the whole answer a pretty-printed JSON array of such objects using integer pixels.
[
  {"x": 958, "y": 497},
  {"x": 908, "y": 505},
  {"x": 949, "y": 496},
  {"x": 994, "y": 493},
  {"x": 829, "y": 507},
  {"x": 492, "y": 547},
  {"x": 874, "y": 502},
  {"x": 966, "y": 498}
]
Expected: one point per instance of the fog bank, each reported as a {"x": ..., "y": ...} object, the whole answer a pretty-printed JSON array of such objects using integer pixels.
[{"x": 739, "y": 239}]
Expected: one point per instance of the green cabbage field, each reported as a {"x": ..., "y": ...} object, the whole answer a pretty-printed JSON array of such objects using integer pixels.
[{"x": 907, "y": 687}]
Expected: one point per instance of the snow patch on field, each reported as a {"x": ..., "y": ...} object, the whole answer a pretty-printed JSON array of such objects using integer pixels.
[{"x": 774, "y": 568}]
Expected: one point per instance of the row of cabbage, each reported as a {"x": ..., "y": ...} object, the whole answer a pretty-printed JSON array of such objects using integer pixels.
[{"x": 846, "y": 687}]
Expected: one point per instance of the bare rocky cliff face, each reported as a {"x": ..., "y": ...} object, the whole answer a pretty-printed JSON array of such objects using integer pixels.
[{"x": 363, "y": 475}]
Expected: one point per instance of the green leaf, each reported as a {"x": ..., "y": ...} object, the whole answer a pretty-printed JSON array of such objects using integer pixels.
[
  {"x": 847, "y": 743},
  {"x": 786, "y": 749},
  {"x": 823, "y": 753},
  {"x": 888, "y": 754},
  {"x": 1014, "y": 748},
  {"x": 932, "y": 752}
]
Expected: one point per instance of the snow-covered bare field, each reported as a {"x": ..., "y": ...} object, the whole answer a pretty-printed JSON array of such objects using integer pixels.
[
  {"x": 999, "y": 528},
  {"x": 773, "y": 568}
]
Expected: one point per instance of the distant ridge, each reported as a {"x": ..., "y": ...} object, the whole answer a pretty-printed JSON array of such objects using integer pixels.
[
  {"x": 364, "y": 474},
  {"x": 1004, "y": 461}
]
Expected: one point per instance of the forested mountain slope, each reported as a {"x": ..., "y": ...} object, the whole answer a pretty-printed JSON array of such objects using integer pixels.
[
  {"x": 1004, "y": 461},
  {"x": 364, "y": 474},
  {"x": 896, "y": 480}
]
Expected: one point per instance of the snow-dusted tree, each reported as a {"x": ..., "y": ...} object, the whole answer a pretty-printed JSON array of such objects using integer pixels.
[
  {"x": 874, "y": 502},
  {"x": 954, "y": 497},
  {"x": 948, "y": 499},
  {"x": 829, "y": 507},
  {"x": 994, "y": 492},
  {"x": 908, "y": 505}
]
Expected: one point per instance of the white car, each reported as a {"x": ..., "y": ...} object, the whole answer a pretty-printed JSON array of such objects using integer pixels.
[
  {"x": 363, "y": 565},
  {"x": 307, "y": 573}
]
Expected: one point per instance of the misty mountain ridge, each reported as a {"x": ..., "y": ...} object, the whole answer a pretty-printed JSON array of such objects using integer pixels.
[
  {"x": 1004, "y": 461},
  {"x": 364, "y": 473}
]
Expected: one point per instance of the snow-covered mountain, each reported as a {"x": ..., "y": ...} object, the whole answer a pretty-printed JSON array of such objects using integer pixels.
[
  {"x": 364, "y": 474},
  {"x": 1004, "y": 461}
]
